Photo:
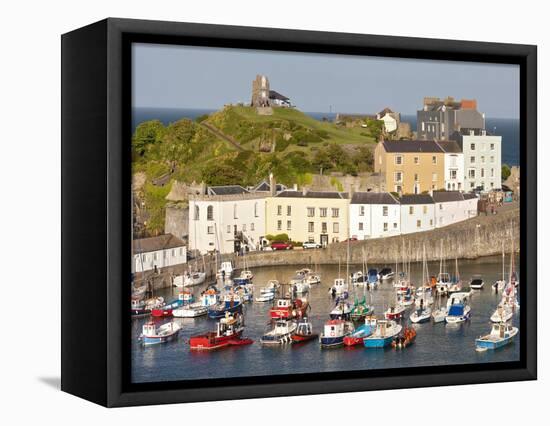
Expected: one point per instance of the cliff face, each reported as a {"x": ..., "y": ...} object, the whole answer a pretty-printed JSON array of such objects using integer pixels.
[{"x": 481, "y": 236}]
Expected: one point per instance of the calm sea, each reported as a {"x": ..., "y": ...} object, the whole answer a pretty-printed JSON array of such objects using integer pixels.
[{"x": 505, "y": 127}]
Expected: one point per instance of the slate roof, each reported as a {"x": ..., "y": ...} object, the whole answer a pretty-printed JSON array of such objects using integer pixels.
[
  {"x": 162, "y": 242},
  {"x": 373, "y": 198},
  {"x": 312, "y": 194},
  {"x": 411, "y": 146},
  {"x": 446, "y": 196},
  {"x": 416, "y": 199},
  {"x": 226, "y": 190},
  {"x": 264, "y": 186},
  {"x": 450, "y": 146},
  {"x": 276, "y": 95},
  {"x": 469, "y": 196}
]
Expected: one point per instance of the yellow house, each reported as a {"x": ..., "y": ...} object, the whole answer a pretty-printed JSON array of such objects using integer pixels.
[
  {"x": 320, "y": 217},
  {"x": 410, "y": 167}
]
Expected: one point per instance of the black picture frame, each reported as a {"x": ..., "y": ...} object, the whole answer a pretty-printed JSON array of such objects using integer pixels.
[{"x": 96, "y": 211}]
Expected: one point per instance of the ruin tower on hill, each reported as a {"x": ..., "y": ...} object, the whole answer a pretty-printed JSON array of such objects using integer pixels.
[{"x": 260, "y": 92}]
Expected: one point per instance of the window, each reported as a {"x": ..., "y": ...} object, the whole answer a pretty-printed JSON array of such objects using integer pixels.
[
  {"x": 154, "y": 256},
  {"x": 441, "y": 206},
  {"x": 210, "y": 213},
  {"x": 434, "y": 159},
  {"x": 256, "y": 209},
  {"x": 252, "y": 226},
  {"x": 323, "y": 212},
  {"x": 394, "y": 225},
  {"x": 492, "y": 159},
  {"x": 482, "y": 173},
  {"x": 416, "y": 160},
  {"x": 398, "y": 176},
  {"x": 235, "y": 211},
  {"x": 411, "y": 209},
  {"x": 482, "y": 159},
  {"x": 434, "y": 177},
  {"x": 335, "y": 227},
  {"x": 289, "y": 225},
  {"x": 473, "y": 159},
  {"x": 210, "y": 229},
  {"x": 360, "y": 226},
  {"x": 471, "y": 174},
  {"x": 398, "y": 189},
  {"x": 472, "y": 184},
  {"x": 197, "y": 213},
  {"x": 423, "y": 126},
  {"x": 181, "y": 251},
  {"x": 310, "y": 227},
  {"x": 492, "y": 147},
  {"x": 425, "y": 209},
  {"x": 416, "y": 177},
  {"x": 244, "y": 227},
  {"x": 279, "y": 225},
  {"x": 288, "y": 210},
  {"x": 492, "y": 173},
  {"x": 398, "y": 160},
  {"x": 229, "y": 229},
  {"x": 431, "y": 222},
  {"x": 279, "y": 210},
  {"x": 453, "y": 174},
  {"x": 384, "y": 210},
  {"x": 361, "y": 210},
  {"x": 335, "y": 212},
  {"x": 310, "y": 211},
  {"x": 419, "y": 224},
  {"x": 385, "y": 226},
  {"x": 324, "y": 227},
  {"x": 472, "y": 147}
]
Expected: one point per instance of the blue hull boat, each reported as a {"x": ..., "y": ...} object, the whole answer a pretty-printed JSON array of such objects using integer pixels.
[
  {"x": 328, "y": 342},
  {"x": 378, "y": 342},
  {"x": 501, "y": 335},
  {"x": 219, "y": 311}
]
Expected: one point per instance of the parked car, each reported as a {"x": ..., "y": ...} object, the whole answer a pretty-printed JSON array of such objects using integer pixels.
[
  {"x": 280, "y": 245},
  {"x": 351, "y": 239},
  {"x": 311, "y": 245}
]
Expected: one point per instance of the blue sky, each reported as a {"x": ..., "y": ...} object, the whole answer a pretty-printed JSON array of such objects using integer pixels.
[{"x": 166, "y": 76}]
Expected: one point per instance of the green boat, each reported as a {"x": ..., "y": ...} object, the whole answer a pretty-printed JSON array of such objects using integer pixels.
[{"x": 361, "y": 310}]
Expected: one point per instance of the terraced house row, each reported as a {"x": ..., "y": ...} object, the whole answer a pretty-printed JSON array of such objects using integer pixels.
[{"x": 232, "y": 218}]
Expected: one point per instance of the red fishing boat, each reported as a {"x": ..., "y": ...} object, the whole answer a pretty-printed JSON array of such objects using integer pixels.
[
  {"x": 287, "y": 308},
  {"x": 161, "y": 312},
  {"x": 228, "y": 333}
]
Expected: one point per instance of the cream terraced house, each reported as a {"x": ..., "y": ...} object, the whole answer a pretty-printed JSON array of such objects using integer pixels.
[{"x": 320, "y": 217}]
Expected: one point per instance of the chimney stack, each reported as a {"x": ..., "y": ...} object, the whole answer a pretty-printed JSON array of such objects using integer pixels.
[
  {"x": 304, "y": 191},
  {"x": 272, "y": 185},
  {"x": 295, "y": 187}
]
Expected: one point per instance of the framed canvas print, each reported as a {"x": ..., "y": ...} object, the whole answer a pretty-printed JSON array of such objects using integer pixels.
[{"x": 252, "y": 212}]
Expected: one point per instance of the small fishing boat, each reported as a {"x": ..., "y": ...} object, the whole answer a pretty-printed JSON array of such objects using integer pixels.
[
  {"x": 231, "y": 303},
  {"x": 280, "y": 334},
  {"x": 271, "y": 287},
  {"x": 386, "y": 274},
  {"x": 139, "y": 292},
  {"x": 383, "y": 335},
  {"x": 476, "y": 283},
  {"x": 152, "y": 335},
  {"x": 304, "y": 332},
  {"x": 360, "y": 310},
  {"x": 244, "y": 293},
  {"x": 342, "y": 309},
  {"x": 405, "y": 298},
  {"x": 439, "y": 314},
  {"x": 365, "y": 330},
  {"x": 185, "y": 297},
  {"x": 247, "y": 273},
  {"x": 443, "y": 281},
  {"x": 209, "y": 297},
  {"x": 225, "y": 271},
  {"x": 501, "y": 334},
  {"x": 265, "y": 297},
  {"x": 404, "y": 339},
  {"x": 228, "y": 333},
  {"x": 356, "y": 277},
  {"x": 339, "y": 287},
  {"x": 162, "y": 312},
  {"x": 334, "y": 333},
  {"x": 301, "y": 286},
  {"x": 458, "y": 309},
  {"x": 313, "y": 279},
  {"x": 191, "y": 279},
  {"x": 287, "y": 308},
  {"x": 421, "y": 315},
  {"x": 191, "y": 310},
  {"x": 138, "y": 309},
  {"x": 504, "y": 312}
]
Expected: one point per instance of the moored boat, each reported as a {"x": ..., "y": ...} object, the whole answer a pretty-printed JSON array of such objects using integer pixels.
[
  {"x": 228, "y": 333},
  {"x": 339, "y": 287},
  {"x": 501, "y": 334},
  {"x": 287, "y": 308},
  {"x": 304, "y": 332},
  {"x": 152, "y": 335},
  {"x": 386, "y": 274},
  {"x": 230, "y": 304},
  {"x": 404, "y": 339},
  {"x": 476, "y": 283},
  {"x": 383, "y": 335},
  {"x": 365, "y": 330},
  {"x": 334, "y": 333},
  {"x": 191, "y": 310},
  {"x": 280, "y": 334},
  {"x": 342, "y": 309},
  {"x": 458, "y": 309},
  {"x": 191, "y": 279}
]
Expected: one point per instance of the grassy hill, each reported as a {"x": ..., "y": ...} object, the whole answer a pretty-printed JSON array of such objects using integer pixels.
[{"x": 237, "y": 145}]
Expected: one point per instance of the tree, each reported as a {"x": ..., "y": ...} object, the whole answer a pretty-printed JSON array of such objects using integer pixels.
[
  {"x": 506, "y": 171},
  {"x": 146, "y": 134}
]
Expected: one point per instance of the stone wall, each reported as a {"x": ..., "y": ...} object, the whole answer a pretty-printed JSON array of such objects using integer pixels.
[
  {"x": 477, "y": 237},
  {"x": 176, "y": 220}
]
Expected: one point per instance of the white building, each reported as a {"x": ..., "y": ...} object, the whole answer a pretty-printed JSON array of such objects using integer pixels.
[
  {"x": 374, "y": 215},
  {"x": 453, "y": 165},
  {"x": 453, "y": 206},
  {"x": 417, "y": 213},
  {"x": 482, "y": 160},
  {"x": 158, "y": 252},
  {"x": 226, "y": 219},
  {"x": 391, "y": 119}
]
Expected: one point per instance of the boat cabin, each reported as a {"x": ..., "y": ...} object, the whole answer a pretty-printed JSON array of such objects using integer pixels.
[
  {"x": 304, "y": 328},
  {"x": 444, "y": 278},
  {"x": 149, "y": 329},
  {"x": 283, "y": 303},
  {"x": 334, "y": 328}
]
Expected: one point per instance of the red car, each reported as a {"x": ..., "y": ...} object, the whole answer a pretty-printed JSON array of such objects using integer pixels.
[{"x": 279, "y": 245}]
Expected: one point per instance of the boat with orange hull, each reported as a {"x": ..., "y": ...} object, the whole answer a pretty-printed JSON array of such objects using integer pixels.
[
  {"x": 228, "y": 332},
  {"x": 405, "y": 339},
  {"x": 304, "y": 332},
  {"x": 286, "y": 308}
]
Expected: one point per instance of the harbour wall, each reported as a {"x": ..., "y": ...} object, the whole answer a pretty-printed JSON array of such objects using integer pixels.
[{"x": 471, "y": 239}]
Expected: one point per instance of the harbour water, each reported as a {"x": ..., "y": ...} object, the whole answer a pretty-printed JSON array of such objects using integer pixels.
[{"x": 436, "y": 344}]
